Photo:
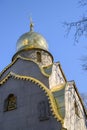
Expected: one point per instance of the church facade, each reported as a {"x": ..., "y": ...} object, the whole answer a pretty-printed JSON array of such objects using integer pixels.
[{"x": 34, "y": 92}]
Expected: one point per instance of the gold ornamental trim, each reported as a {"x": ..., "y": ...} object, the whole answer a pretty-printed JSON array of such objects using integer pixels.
[
  {"x": 26, "y": 59},
  {"x": 48, "y": 93}
]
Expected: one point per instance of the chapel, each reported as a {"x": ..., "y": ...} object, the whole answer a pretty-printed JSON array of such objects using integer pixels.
[{"x": 34, "y": 91}]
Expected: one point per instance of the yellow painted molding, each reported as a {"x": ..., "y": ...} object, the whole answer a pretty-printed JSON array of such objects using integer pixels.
[
  {"x": 48, "y": 93},
  {"x": 58, "y": 88},
  {"x": 41, "y": 68}
]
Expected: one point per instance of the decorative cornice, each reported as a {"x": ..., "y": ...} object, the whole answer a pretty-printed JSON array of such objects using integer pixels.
[
  {"x": 48, "y": 93},
  {"x": 26, "y": 59}
]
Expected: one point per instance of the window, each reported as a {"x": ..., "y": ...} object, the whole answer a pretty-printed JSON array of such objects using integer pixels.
[
  {"x": 76, "y": 109},
  {"x": 10, "y": 103},
  {"x": 38, "y": 57},
  {"x": 43, "y": 110}
]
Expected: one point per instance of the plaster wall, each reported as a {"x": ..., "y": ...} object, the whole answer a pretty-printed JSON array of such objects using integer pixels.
[
  {"x": 56, "y": 77},
  {"x": 72, "y": 120}
]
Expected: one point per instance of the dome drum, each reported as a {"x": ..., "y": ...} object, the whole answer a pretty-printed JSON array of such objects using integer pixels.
[{"x": 35, "y": 54}]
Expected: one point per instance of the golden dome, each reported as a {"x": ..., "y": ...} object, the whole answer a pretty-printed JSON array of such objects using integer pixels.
[{"x": 31, "y": 40}]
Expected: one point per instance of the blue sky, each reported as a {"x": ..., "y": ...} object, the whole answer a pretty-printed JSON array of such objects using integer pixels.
[{"x": 48, "y": 16}]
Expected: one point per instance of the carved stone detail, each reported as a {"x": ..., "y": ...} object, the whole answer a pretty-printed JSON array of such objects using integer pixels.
[{"x": 43, "y": 110}]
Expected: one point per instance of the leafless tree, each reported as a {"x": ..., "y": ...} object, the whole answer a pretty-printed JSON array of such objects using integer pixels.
[
  {"x": 82, "y": 2},
  {"x": 80, "y": 25},
  {"x": 80, "y": 29},
  {"x": 84, "y": 65}
]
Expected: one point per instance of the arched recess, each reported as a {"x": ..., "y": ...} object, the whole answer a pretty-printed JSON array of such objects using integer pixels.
[{"x": 10, "y": 102}]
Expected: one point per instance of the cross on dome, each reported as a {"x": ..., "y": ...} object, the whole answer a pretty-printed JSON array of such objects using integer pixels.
[{"x": 31, "y": 25}]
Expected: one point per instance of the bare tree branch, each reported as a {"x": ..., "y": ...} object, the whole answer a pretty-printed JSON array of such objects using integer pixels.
[
  {"x": 84, "y": 60},
  {"x": 79, "y": 26},
  {"x": 82, "y": 2}
]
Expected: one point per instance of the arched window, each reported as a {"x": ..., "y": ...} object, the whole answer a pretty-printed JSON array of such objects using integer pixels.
[
  {"x": 38, "y": 57},
  {"x": 10, "y": 103}
]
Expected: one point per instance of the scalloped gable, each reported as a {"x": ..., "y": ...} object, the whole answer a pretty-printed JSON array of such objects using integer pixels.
[{"x": 27, "y": 67}]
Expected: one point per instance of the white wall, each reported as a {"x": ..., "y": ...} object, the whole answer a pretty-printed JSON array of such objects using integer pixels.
[
  {"x": 72, "y": 121},
  {"x": 56, "y": 77}
]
